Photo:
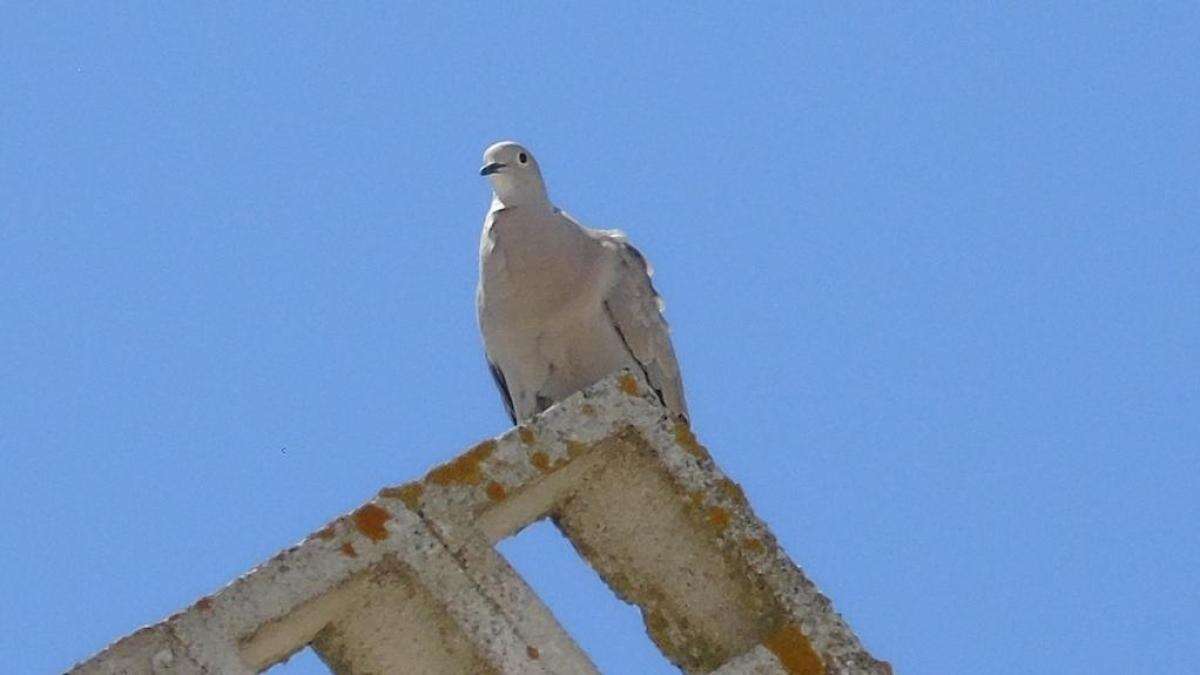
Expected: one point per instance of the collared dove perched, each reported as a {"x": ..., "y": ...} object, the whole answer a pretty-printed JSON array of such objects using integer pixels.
[{"x": 562, "y": 306}]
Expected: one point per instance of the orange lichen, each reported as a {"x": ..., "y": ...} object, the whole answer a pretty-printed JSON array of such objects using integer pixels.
[
  {"x": 687, "y": 440},
  {"x": 348, "y": 550},
  {"x": 204, "y": 603},
  {"x": 325, "y": 532},
  {"x": 496, "y": 491},
  {"x": 532, "y": 652},
  {"x": 540, "y": 460},
  {"x": 409, "y": 493},
  {"x": 628, "y": 384},
  {"x": 526, "y": 435},
  {"x": 696, "y": 498},
  {"x": 732, "y": 490},
  {"x": 575, "y": 448},
  {"x": 794, "y": 651},
  {"x": 369, "y": 520},
  {"x": 752, "y": 544},
  {"x": 463, "y": 470},
  {"x": 718, "y": 517}
]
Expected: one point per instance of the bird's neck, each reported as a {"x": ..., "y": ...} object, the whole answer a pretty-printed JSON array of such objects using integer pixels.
[
  {"x": 526, "y": 201},
  {"x": 525, "y": 225}
]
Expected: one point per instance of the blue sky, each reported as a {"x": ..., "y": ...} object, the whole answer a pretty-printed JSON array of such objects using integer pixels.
[{"x": 932, "y": 276}]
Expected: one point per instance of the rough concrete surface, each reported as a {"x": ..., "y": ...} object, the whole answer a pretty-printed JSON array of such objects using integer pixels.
[{"x": 410, "y": 581}]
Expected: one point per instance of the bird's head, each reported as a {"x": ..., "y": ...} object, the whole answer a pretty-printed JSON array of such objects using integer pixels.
[{"x": 514, "y": 174}]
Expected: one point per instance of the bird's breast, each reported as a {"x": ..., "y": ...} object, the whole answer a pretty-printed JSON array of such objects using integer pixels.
[{"x": 537, "y": 273}]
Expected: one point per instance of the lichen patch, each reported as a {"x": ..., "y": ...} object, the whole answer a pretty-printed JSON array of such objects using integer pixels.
[
  {"x": 733, "y": 491},
  {"x": 526, "y": 435},
  {"x": 409, "y": 493},
  {"x": 718, "y": 517},
  {"x": 496, "y": 492},
  {"x": 463, "y": 470},
  {"x": 370, "y": 519},
  {"x": 628, "y": 384},
  {"x": 794, "y": 651},
  {"x": 687, "y": 440}
]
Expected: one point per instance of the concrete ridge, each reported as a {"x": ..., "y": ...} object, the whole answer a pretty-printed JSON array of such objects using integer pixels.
[{"x": 410, "y": 581}]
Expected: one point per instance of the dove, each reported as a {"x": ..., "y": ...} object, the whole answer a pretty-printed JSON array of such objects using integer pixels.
[{"x": 561, "y": 306}]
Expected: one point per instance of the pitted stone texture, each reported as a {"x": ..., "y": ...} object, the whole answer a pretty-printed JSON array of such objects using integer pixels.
[
  {"x": 654, "y": 547},
  {"x": 396, "y": 626},
  {"x": 149, "y": 651},
  {"x": 411, "y": 581}
]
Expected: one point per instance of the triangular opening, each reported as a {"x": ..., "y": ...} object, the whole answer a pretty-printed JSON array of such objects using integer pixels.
[
  {"x": 609, "y": 630},
  {"x": 303, "y": 662}
]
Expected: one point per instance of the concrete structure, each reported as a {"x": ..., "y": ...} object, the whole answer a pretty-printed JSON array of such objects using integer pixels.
[{"x": 410, "y": 582}]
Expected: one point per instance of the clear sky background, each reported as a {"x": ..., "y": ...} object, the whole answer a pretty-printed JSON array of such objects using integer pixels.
[{"x": 933, "y": 277}]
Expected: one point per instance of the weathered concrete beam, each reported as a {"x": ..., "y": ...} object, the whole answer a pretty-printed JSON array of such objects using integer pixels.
[{"x": 410, "y": 581}]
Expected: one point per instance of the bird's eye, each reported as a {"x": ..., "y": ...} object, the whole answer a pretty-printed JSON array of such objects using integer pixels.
[{"x": 523, "y": 158}]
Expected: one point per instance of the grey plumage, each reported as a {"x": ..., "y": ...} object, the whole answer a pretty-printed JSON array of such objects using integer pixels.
[{"x": 561, "y": 306}]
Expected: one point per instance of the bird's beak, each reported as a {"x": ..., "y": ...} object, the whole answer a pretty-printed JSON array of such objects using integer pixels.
[{"x": 491, "y": 168}]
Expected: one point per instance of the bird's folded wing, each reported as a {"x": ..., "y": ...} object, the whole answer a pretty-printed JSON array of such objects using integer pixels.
[{"x": 635, "y": 310}]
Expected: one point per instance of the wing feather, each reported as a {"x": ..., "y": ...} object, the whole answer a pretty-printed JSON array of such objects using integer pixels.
[
  {"x": 635, "y": 310},
  {"x": 502, "y": 385}
]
